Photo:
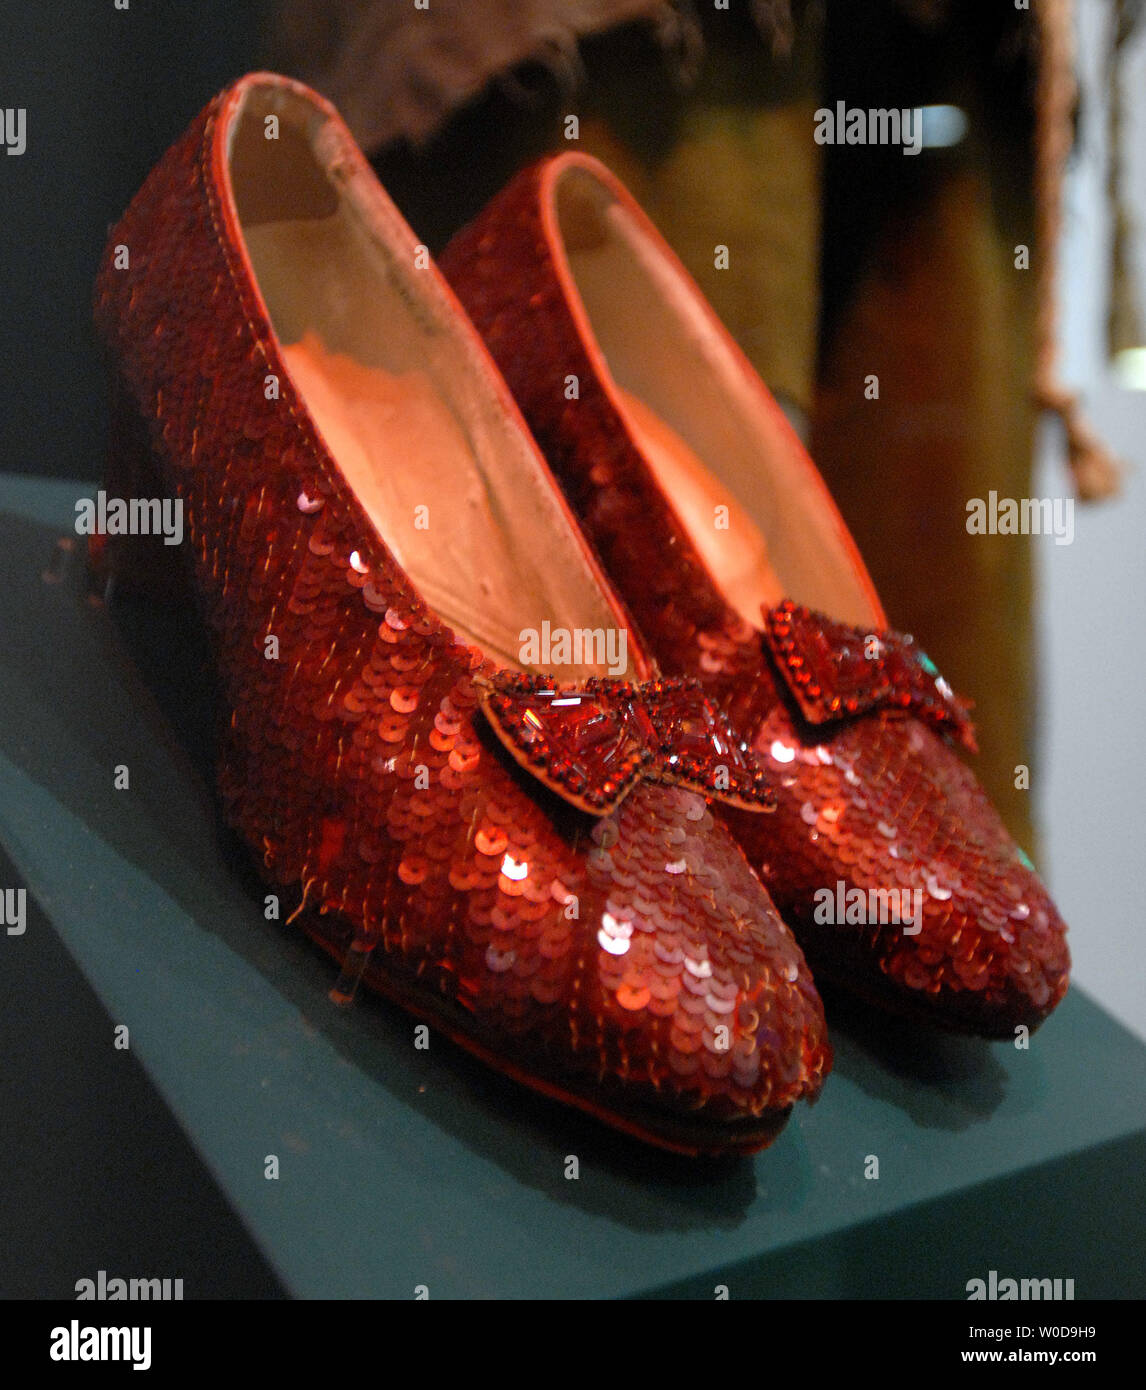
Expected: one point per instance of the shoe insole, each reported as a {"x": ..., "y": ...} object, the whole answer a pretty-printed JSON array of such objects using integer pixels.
[
  {"x": 398, "y": 445},
  {"x": 711, "y": 435},
  {"x": 448, "y": 478},
  {"x": 729, "y": 542}
]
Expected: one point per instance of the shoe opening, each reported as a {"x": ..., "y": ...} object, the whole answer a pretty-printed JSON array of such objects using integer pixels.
[
  {"x": 405, "y": 398},
  {"x": 736, "y": 474}
]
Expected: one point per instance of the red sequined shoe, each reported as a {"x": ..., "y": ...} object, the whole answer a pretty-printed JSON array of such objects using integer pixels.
[
  {"x": 376, "y": 542},
  {"x": 885, "y": 856}
]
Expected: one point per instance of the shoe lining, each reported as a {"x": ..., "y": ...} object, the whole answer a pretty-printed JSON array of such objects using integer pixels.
[
  {"x": 707, "y": 434},
  {"x": 404, "y": 401}
]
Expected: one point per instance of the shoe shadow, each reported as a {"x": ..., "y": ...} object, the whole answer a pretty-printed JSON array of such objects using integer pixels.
[
  {"x": 941, "y": 1080},
  {"x": 90, "y": 685}
]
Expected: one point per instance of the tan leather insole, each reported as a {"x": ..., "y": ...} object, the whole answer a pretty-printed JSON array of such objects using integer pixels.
[
  {"x": 448, "y": 479},
  {"x": 709, "y": 435},
  {"x": 396, "y": 443},
  {"x": 728, "y": 540}
]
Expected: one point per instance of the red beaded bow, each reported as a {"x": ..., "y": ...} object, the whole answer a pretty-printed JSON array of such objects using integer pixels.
[
  {"x": 591, "y": 744},
  {"x": 834, "y": 670}
]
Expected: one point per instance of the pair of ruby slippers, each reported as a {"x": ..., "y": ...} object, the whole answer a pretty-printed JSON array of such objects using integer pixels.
[{"x": 602, "y": 879}]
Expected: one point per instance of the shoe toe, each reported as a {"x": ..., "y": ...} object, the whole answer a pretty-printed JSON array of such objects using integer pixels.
[
  {"x": 698, "y": 989},
  {"x": 635, "y": 966},
  {"x": 889, "y": 809}
]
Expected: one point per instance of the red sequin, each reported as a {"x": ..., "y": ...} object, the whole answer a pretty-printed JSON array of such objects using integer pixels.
[
  {"x": 877, "y": 802},
  {"x": 583, "y": 955}
]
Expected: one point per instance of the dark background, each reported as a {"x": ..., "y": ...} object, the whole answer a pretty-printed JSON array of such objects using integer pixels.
[
  {"x": 106, "y": 92},
  {"x": 94, "y": 1171}
]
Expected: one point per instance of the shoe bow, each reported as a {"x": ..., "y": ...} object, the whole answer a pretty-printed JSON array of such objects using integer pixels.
[
  {"x": 835, "y": 671},
  {"x": 592, "y": 743}
]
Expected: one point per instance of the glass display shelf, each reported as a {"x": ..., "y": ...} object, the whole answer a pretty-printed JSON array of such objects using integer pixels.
[{"x": 401, "y": 1169}]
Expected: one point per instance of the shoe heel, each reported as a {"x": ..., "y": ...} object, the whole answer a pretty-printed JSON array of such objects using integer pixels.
[
  {"x": 354, "y": 964},
  {"x": 135, "y": 563}
]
